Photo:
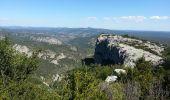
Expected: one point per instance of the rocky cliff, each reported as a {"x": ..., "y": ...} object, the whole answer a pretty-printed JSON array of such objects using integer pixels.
[{"x": 114, "y": 49}]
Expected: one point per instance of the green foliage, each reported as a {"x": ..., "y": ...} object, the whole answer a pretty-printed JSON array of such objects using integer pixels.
[
  {"x": 117, "y": 91},
  {"x": 149, "y": 81},
  {"x": 28, "y": 91},
  {"x": 101, "y": 72},
  {"x": 87, "y": 84},
  {"x": 84, "y": 85},
  {"x": 17, "y": 81},
  {"x": 166, "y": 54},
  {"x": 15, "y": 70},
  {"x": 129, "y": 36},
  {"x": 14, "y": 66},
  {"x": 166, "y": 66},
  {"x": 143, "y": 74}
]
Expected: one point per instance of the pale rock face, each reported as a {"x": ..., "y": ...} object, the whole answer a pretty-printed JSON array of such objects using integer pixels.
[
  {"x": 46, "y": 55},
  {"x": 132, "y": 54},
  {"x": 56, "y": 78},
  {"x": 154, "y": 47},
  {"x": 55, "y": 62},
  {"x": 119, "y": 71},
  {"x": 111, "y": 79},
  {"x": 2, "y": 37},
  {"x": 46, "y": 83},
  {"x": 120, "y": 39},
  {"x": 61, "y": 56},
  {"x": 73, "y": 48},
  {"x": 49, "y": 40},
  {"x": 49, "y": 53},
  {"x": 43, "y": 79},
  {"x": 118, "y": 50},
  {"x": 23, "y": 49},
  {"x": 40, "y": 55}
]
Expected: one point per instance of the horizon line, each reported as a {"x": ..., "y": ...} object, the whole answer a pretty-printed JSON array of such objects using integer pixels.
[{"x": 20, "y": 26}]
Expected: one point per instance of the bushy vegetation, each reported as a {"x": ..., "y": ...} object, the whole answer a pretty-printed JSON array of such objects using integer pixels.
[
  {"x": 143, "y": 82},
  {"x": 15, "y": 70},
  {"x": 88, "y": 84},
  {"x": 167, "y": 68},
  {"x": 148, "y": 81}
]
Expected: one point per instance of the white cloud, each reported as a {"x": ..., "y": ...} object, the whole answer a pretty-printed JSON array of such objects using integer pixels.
[
  {"x": 106, "y": 18},
  {"x": 137, "y": 18},
  {"x": 159, "y": 17},
  {"x": 92, "y": 18}
]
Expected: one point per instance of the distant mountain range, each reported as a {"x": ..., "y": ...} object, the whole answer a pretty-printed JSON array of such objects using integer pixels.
[{"x": 156, "y": 36}]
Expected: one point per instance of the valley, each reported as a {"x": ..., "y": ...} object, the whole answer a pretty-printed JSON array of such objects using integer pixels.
[
  {"x": 62, "y": 48},
  {"x": 85, "y": 50}
]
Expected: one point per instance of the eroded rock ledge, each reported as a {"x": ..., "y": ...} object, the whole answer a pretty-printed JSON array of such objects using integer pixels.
[{"x": 114, "y": 49}]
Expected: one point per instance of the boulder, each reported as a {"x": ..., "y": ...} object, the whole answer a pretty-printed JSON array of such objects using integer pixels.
[{"x": 111, "y": 78}]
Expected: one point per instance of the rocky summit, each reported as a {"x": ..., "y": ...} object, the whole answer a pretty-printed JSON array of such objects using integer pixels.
[{"x": 115, "y": 49}]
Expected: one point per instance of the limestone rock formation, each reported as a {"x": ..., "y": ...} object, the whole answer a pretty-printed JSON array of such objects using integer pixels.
[
  {"x": 46, "y": 54},
  {"x": 114, "y": 49},
  {"x": 111, "y": 78},
  {"x": 49, "y": 40}
]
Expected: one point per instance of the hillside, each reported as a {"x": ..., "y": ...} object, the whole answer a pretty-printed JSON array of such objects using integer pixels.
[
  {"x": 62, "y": 48},
  {"x": 70, "y": 65}
]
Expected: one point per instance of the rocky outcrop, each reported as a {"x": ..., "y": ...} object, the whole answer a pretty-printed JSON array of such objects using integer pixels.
[
  {"x": 55, "y": 61},
  {"x": 23, "y": 49},
  {"x": 117, "y": 73},
  {"x": 111, "y": 78},
  {"x": 46, "y": 54},
  {"x": 114, "y": 49},
  {"x": 49, "y": 40}
]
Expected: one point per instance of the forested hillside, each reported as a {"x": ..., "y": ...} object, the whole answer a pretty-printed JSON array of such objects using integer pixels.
[{"x": 18, "y": 81}]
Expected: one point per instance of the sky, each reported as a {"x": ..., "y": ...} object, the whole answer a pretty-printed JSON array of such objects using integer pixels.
[{"x": 109, "y": 14}]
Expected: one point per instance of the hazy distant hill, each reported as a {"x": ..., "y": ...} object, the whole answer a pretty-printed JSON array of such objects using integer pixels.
[
  {"x": 157, "y": 36},
  {"x": 63, "y": 48}
]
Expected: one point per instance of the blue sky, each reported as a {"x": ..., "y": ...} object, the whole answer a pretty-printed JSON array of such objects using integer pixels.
[{"x": 110, "y": 14}]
